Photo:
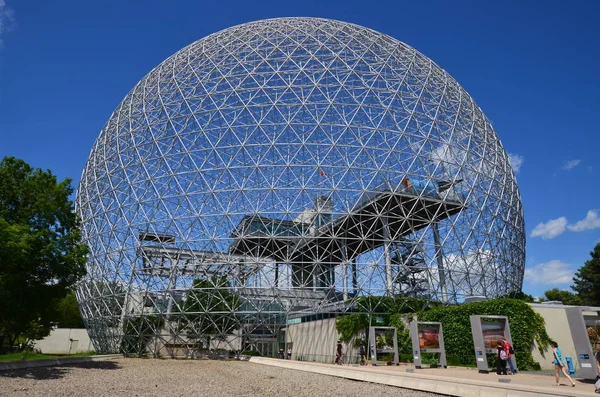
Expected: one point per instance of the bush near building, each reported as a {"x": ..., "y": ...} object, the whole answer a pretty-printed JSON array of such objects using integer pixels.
[{"x": 526, "y": 326}]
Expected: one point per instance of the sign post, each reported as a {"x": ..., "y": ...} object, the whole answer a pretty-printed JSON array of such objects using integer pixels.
[
  {"x": 487, "y": 331},
  {"x": 380, "y": 343},
  {"x": 585, "y": 356},
  {"x": 427, "y": 337}
]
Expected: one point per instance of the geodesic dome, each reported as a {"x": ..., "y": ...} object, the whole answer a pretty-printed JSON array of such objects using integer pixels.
[{"x": 286, "y": 167}]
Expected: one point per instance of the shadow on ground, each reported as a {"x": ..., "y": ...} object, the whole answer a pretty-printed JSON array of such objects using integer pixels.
[{"x": 57, "y": 372}]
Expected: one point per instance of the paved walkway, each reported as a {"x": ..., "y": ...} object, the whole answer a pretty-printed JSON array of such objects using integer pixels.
[{"x": 462, "y": 382}]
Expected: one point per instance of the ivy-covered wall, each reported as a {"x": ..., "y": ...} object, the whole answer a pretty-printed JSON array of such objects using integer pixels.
[{"x": 526, "y": 326}]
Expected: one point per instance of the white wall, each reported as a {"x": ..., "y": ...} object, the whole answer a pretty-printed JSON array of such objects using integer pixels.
[
  {"x": 65, "y": 341},
  {"x": 558, "y": 330},
  {"x": 316, "y": 341}
]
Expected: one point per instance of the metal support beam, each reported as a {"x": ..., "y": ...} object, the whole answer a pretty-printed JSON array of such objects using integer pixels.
[
  {"x": 354, "y": 277},
  {"x": 439, "y": 255},
  {"x": 344, "y": 271},
  {"x": 387, "y": 256}
]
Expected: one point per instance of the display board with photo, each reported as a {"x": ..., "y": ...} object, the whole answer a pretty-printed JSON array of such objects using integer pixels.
[
  {"x": 429, "y": 337},
  {"x": 493, "y": 331}
]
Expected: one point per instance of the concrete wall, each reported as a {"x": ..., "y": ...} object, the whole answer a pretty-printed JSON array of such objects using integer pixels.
[
  {"x": 558, "y": 330},
  {"x": 316, "y": 341},
  {"x": 65, "y": 341}
]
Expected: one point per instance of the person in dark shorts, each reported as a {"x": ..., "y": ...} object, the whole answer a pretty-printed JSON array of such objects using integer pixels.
[
  {"x": 501, "y": 359},
  {"x": 597, "y": 355},
  {"x": 362, "y": 353},
  {"x": 338, "y": 352}
]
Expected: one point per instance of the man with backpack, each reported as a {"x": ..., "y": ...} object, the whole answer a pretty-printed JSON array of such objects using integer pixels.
[{"x": 509, "y": 353}]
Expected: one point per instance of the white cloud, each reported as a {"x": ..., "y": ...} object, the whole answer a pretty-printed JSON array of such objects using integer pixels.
[
  {"x": 549, "y": 230},
  {"x": 550, "y": 273},
  {"x": 569, "y": 165},
  {"x": 590, "y": 222},
  {"x": 516, "y": 161},
  {"x": 6, "y": 19}
]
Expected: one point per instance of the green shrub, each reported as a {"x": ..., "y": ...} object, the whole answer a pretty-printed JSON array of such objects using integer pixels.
[{"x": 526, "y": 327}]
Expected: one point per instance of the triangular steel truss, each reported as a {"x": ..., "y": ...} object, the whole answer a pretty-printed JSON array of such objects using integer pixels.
[{"x": 283, "y": 169}]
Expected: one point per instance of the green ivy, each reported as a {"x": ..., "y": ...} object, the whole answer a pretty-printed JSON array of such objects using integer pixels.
[
  {"x": 404, "y": 339},
  {"x": 351, "y": 325},
  {"x": 527, "y": 327}
]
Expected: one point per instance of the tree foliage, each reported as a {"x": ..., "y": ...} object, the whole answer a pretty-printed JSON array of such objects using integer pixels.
[
  {"x": 41, "y": 254},
  {"x": 566, "y": 297},
  {"x": 587, "y": 279},
  {"x": 521, "y": 296},
  {"x": 138, "y": 332},
  {"x": 67, "y": 312},
  {"x": 209, "y": 314}
]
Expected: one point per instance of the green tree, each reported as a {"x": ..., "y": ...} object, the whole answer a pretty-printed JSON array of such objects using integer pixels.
[
  {"x": 67, "y": 312},
  {"x": 210, "y": 309},
  {"x": 138, "y": 332},
  {"x": 587, "y": 279},
  {"x": 521, "y": 296},
  {"x": 41, "y": 254},
  {"x": 566, "y": 297}
]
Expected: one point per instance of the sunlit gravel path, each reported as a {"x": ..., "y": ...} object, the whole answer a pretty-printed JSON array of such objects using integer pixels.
[{"x": 152, "y": 377}]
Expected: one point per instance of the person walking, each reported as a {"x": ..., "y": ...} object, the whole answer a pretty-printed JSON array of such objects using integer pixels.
[
  {"x": 501, "y": 359},
  {"x": 597, "y": 356},
  {"x": 361, "y": 352},
  {"x": 559, "y": 366},
  {"x": 338, "y": 353},
  {"x": 509, "y": 352},
  {"x": 289, "y": 353}
]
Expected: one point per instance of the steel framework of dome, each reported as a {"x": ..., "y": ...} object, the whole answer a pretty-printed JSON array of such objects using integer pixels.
[{"x": 283, "y": 168}]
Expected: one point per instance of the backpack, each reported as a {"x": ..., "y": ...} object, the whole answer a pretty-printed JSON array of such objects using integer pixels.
[
  {"x": 511, "y": 350},
  {"x": 503, "y": 355}
]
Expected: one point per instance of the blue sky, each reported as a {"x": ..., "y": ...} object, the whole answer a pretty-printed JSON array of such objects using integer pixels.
[{"x": 531, "y": 66}]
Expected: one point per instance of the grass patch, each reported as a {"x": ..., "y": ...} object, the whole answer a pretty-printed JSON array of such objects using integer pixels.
[{"x": 38, "y": 356}]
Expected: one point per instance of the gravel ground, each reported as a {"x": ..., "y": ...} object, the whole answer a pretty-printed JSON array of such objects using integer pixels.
[{"x": 152, "y": 377}]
